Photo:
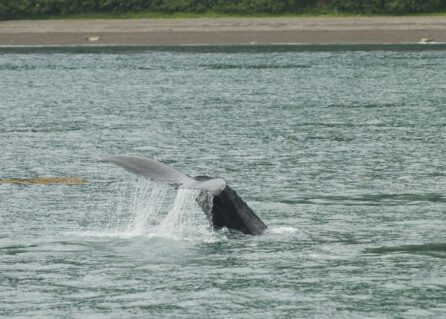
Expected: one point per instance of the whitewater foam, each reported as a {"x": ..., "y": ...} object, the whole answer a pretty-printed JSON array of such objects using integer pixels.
[
  {"x": 281, "y": 230},
  {"x": 144, "y": 208}
]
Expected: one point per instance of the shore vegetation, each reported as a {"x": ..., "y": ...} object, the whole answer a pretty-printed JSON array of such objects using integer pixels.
[{"x": 26, "y": 9}]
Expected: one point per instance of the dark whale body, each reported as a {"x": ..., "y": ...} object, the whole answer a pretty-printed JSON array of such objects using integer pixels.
[
  {"x": 231, "y": 211},
  {"x": 221, "y": 204}
]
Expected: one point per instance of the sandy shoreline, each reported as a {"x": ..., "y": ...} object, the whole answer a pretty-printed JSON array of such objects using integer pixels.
[{"x": 317, "y": 30}]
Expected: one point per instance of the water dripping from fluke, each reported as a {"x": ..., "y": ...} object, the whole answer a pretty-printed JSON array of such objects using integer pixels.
[
  {"x": 145, "y": 208},
  {"x": 185, "y": 219}
]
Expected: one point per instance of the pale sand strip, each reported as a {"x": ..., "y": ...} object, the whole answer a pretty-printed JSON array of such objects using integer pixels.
[{"x": 317, "y": 30}]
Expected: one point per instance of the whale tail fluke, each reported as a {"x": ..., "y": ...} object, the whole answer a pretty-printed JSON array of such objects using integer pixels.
[
  {"x": 162, "y": 173},
  {"x": 149, "y": 168},
  {"x": 224, "y": 207}
]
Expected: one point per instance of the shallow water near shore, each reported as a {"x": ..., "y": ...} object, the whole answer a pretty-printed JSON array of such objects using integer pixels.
[{"x": 341, "y": 152}]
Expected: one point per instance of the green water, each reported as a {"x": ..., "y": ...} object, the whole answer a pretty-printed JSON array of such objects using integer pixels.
[{"x": 340, "y": 150}]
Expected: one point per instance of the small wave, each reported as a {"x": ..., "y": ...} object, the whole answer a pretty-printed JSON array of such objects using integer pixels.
[
  {"x": 429, "y": 249},
  {"x": 103, "y": 234},
  {"x": 208, "y": 237},
  {"x": 15, "y": 248},
  {"x": 223, "y": 66},
  {"x": 366, "y": 106},
  {"x": 371, "y": 199}
]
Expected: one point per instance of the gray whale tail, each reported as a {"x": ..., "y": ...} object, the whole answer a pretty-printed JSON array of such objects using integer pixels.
[
  {"x": 227, "y": 209},
  {"x": 162, "y": 173}
]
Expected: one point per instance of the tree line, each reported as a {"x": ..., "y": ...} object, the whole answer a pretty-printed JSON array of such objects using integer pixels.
[{"x": 10, "y": 9}]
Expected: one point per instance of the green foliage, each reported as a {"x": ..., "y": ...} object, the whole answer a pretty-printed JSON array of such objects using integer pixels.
[
  {"x": 388, "y": 6},
  {"x": 10, "y": 9},
  {"x": 172, "y": 6},
  {"x": 415, "y": 6}
]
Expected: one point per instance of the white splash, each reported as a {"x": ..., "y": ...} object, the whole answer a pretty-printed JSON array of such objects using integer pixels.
[
  {"x": 281, "y": 230},
  {"x": 185, "y": 220},
  {"x": 144, "y": 208}
]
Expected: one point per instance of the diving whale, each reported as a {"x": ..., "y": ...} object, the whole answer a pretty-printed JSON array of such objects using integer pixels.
[{"x": 220, "y": 203}]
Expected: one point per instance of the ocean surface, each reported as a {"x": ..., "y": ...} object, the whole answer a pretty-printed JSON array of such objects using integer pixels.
[{"x": 340, "y": 150}]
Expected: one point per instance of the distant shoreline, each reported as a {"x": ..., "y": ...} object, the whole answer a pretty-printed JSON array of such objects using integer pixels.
[{"x": 225, "y": 31}]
